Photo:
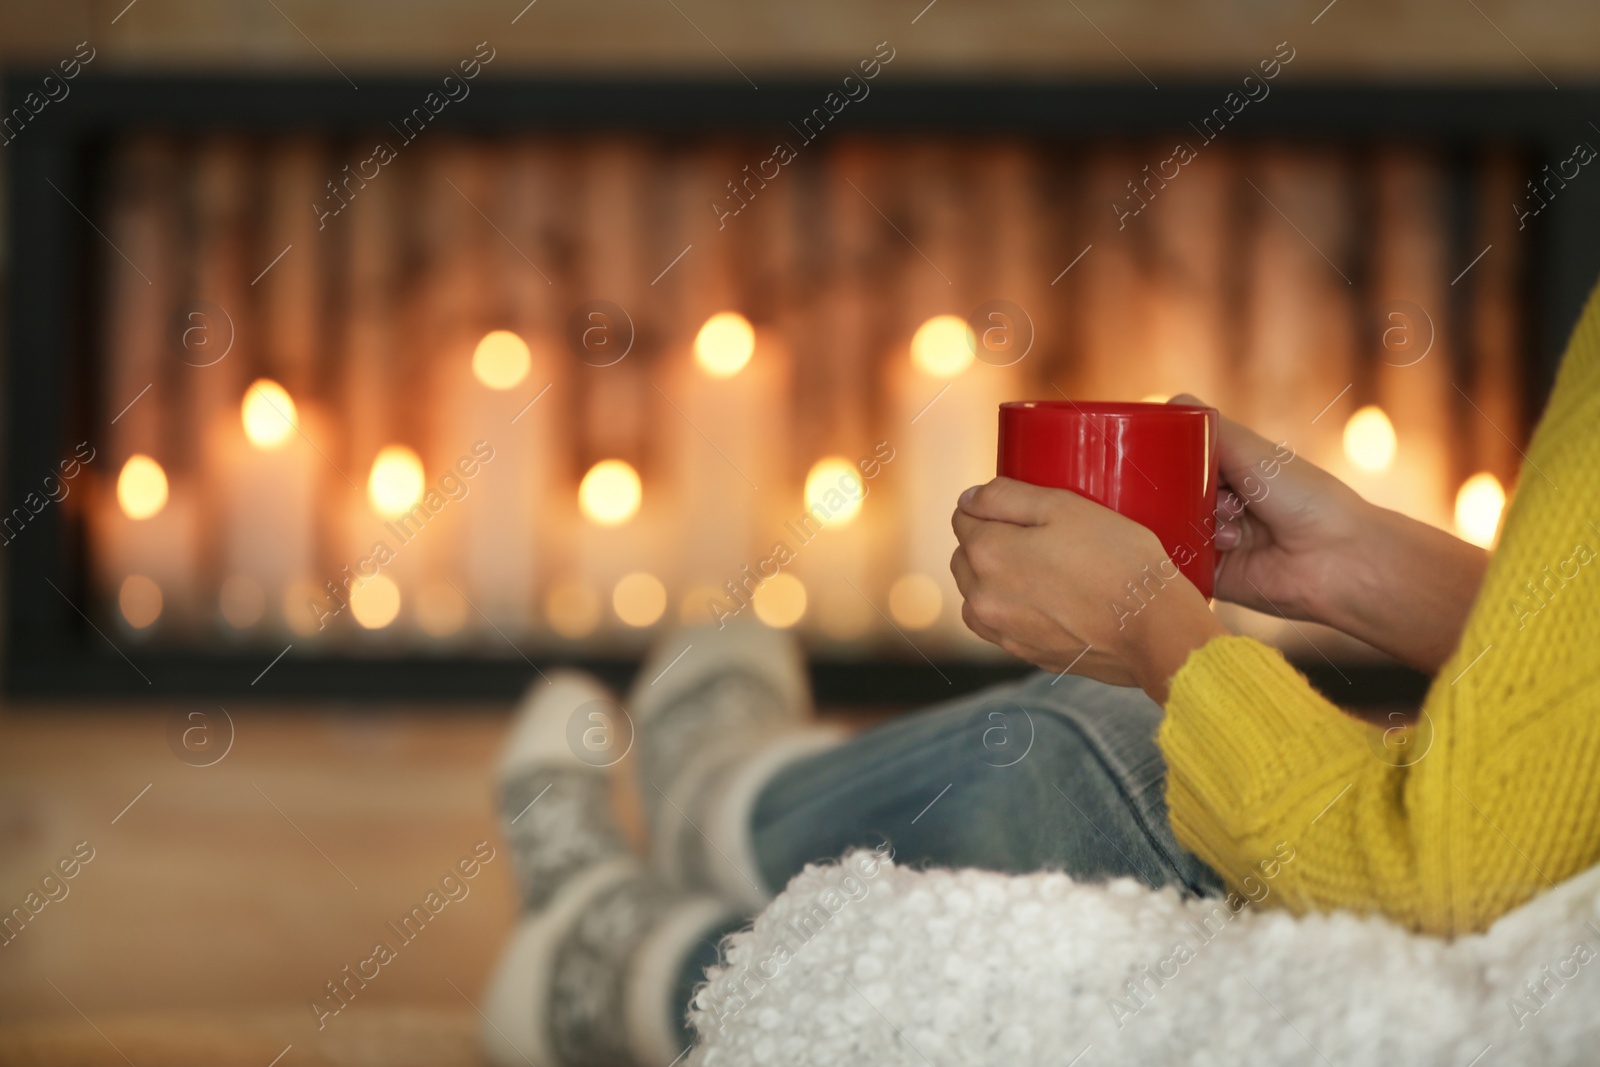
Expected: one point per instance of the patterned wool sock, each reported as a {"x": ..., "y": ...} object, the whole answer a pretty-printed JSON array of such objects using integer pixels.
[
  {"x": 591, "y": 976},
  {"x": 718, "y": 713}
]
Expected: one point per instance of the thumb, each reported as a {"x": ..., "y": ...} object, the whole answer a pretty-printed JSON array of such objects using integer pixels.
[{"x": 1008, "y": 500}]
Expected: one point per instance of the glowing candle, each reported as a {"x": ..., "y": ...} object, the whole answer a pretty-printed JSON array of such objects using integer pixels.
[
  {"x": 501, "y": 360},
  {"x": 610, "y": 493},
  {"x": 396, "y": 482},
  {"x": 1369, "y": 440},
  {"x": 388, "y": 538},
  {"x": 271, "y": 475},
  {"x": 145, "y": 533},
  {"x": 141, "y": 487},
  {"x": 943, "y": 347},
  {"x": 726, "y": 433},
  {"x": 510, "y": 402},
  {"x": 269, "y": 415},
  {"x": 834, "y": 480},
  {"x": 831, "y": 540},
  {"x": 615, "y": 591},
  {"x": 1479, "y": 504},
  {"x": 724, "y": 344},
  {"x": 944, "y": 433}
]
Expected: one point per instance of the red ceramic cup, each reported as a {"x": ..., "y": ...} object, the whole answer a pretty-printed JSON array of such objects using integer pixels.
[{"x": 1153, "y": 463}]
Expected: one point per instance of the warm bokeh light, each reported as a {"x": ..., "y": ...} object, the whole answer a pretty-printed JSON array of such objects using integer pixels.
[
  {"x": 1369, "y": 440},
  {"x": 440, "y": 610},
  {"x": 269, "y": 414},
  {"x": 610, "y": 493},
  {"x": 141, "y": 487},
  {"x": 395, "y": 484},
  {"x": 842, "y": 612},
  {"x": 242, "y": 601},
  {"x": 915, "y": 601},
  {"x": 639, "y": 599},
  {"x": 1155, "y": 398},
  {"x": 375, "y": 601},
  {"x": 1479, "y": 504},
  {"x": 724, "y": 344},
  {"x": 573, "y": 609},
  {"x": 501, "y": 360},
  {"x": 780, "y": 601},
  {"x": 943, "y": 346},
  {"x": 140, "y": 601},
  {"x": 825, "y": 475}
]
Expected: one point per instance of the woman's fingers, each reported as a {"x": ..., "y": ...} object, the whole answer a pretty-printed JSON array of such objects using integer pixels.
[
  {"x": 1037, "y": 569},
  {"x": 964, "y": 524},
  {"x": 961, "y": 569},
  {"x": 967, "y": 583},
  {"x": 1230, "y": 520},
  {"x": 1008, "y": 500}
]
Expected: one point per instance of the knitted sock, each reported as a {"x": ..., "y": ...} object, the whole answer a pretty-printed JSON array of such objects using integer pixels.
[
  {"x": 591, "y": 974},
  {"x": 592, "y": 979},
  {"x": 555, "y": 806},
  {"x": 718, "y": 713}
]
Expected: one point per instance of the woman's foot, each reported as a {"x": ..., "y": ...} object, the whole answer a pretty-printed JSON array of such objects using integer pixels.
[
  {"x": 592, "y": 972},
  {"x": 718, "y": 713},
  {"x": 555, "y": 805},
  {"x": 593, "y": 979}
]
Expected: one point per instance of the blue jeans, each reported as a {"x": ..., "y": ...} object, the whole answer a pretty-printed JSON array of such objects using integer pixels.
[{"x": 1053, "y": 772}]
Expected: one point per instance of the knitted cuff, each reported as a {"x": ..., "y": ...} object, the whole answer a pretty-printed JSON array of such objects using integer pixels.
[{"x": 1251, "y": 747}]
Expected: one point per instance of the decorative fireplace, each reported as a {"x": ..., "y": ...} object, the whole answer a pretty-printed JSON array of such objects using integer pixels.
[{"x": 353, "y": 407}]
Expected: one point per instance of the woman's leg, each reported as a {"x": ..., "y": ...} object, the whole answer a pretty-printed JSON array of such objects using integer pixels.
[
  {"x": 1051, "y": 773},
  {"x": 1054, "y": 772}
]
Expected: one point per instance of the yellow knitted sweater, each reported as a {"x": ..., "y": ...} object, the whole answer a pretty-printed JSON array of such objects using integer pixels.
[{"x": 1497, "y": 795}]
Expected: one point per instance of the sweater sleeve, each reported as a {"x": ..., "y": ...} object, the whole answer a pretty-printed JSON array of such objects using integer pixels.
[{"x": 1487, "y": 800}]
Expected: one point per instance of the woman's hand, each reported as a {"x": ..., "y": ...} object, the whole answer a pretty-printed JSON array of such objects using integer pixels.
[
  {"x": 1285, "y": 527},
  {"x": 1293, "y": 540},
  {"x": 1064, "y": 583}
]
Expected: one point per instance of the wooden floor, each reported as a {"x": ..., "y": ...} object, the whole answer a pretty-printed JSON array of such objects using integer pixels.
[
  {"x": 220, "y": 899},
  {"x": 218, "y": 904},
  {"x": 383, "y": 1036}
]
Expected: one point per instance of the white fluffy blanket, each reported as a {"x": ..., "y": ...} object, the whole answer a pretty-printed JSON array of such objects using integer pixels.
[{"x": 867, "y": 963}]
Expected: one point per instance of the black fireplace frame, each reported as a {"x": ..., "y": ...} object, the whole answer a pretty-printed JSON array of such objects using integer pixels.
[{"x": 52, "y": 650}]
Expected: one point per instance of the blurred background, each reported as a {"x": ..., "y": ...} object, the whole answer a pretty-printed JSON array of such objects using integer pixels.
[{"x": 366, "y": 360}]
